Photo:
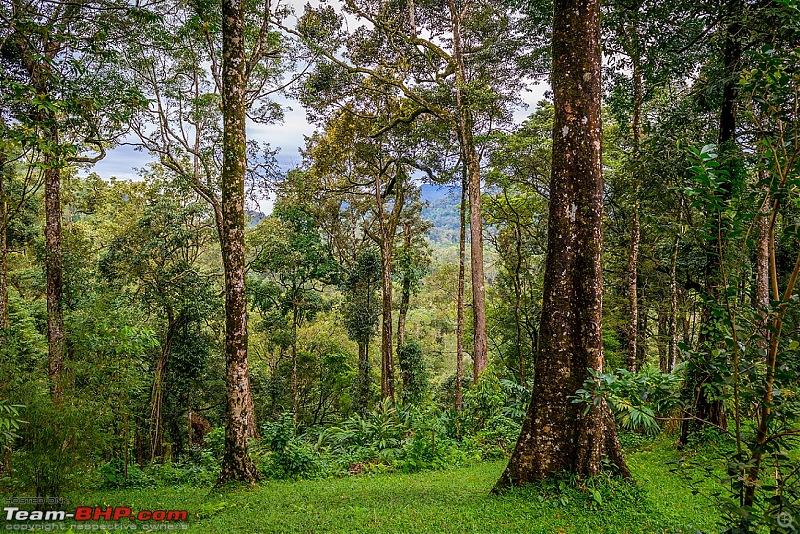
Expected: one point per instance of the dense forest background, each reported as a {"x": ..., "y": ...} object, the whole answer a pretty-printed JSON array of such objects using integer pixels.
[{"x": 387, "y": 313}]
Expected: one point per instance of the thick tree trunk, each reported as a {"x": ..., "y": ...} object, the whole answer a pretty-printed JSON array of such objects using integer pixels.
[
  {"x": 472, "y": 162},
  {"x": 556, "y": 435},
  {"x": 236, "y": 462},
  {"x": 462, "y": 238}
]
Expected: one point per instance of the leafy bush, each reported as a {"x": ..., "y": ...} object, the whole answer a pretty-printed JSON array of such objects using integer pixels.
[
  {"x": 636, "y": 399},
  {"x": 498, "y": 438},
  {"x": 412, "y": 368},
  {"x": 56, "y": 445},
  {"x": 483, "y": 401},
  {"x": 289, "y": 456}
]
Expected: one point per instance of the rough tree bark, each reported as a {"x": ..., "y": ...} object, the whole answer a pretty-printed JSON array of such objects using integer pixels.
[
  {"x": 556, "y": 434},
  {"x": 54, "y": 265},
  {"x": 236, "y": 462}
]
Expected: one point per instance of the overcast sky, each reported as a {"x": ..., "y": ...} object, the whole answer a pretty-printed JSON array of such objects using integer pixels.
[{"x": 123, "y": 161}]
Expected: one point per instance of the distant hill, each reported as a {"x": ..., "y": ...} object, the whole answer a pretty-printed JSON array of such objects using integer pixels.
[
  {"x": 442, "y": 211},
  {"x": 253, "y": 217}
]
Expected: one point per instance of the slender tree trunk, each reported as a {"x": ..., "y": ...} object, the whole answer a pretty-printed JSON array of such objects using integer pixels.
[
  {"x": 663, "y": 341},
  {"x": 556, "y": 435},
  {"x": 462, "y": 238},
  {"x": 363, "y": 384},
  {"x": 762, "y": 261},
  {"x": 5, "y": 451},
  {"x": 295, "y": 398},
  {"x": 472, "y": 161},
  {"x": 518, "y": 302},
  {"x": 405, "y": 290},
  {"x": 157, "y": 392},
  {"x": 387, "y": 235},
  {"x": 633, "y": 256},
  {"x": 641, "y": 343},
  {"x": 673, "y": 309},
  {"x": 387, "y": 360},
  {"x": 705, "y": 409},
  {"x": 236, "y": 462},
  {"x": 54, "y": 265},
  {"x": 4, "y": 318}
]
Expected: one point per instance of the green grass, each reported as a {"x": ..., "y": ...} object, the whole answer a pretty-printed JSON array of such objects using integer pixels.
[{"x": 455, "y": 500}]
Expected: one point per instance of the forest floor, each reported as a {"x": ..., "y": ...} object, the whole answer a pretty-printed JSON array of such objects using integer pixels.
[{"x": 453, "y": 500}]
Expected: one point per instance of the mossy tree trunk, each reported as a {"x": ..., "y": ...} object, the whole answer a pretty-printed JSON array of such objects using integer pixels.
[
  {"x": 236, "y": 462},
  {"x": 556, "y": 435}
]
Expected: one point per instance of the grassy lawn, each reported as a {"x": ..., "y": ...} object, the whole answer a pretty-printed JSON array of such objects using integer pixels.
[{"x": 455, "y": 500}]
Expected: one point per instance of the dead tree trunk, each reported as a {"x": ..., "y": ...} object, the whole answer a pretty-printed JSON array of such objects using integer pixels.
[{"x": 556, "y": 434}]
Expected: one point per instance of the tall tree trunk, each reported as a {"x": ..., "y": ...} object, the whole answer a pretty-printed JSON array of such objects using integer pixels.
[
  {"x": 641, "y": 343},
  {"x": 4, "y": 318},
  {"x": 236, "y": 462},
  {"x": 387, "y": 235},
  {"x": 633, "y": 256},
  {"x": 556, "y": 435},
  {"x": 663, "y": 340},
  {"x": 462, "y": 238},
  {"x": 363, "y": 375},
  {"x": 472, "y": 161},
  {"x": 157, "y": 391},
  {"x": 387, "y": 359},
  {"x": 405, "y": 289},
  {"x": 518, "y": 301},
  {"x": 673, "y": 308},
  {"x": 54, "y": 264},
  {"x": 762, "y": 261},
  {"x": 295, "y": 398}
]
